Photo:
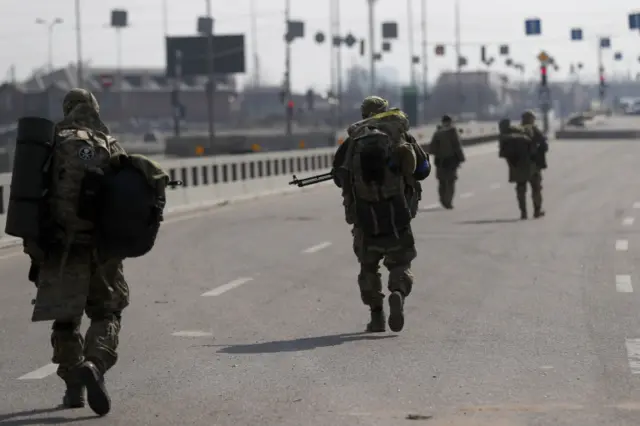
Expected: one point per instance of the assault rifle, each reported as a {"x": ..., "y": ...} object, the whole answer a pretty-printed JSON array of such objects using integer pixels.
[{"x": 312, "y": 180}]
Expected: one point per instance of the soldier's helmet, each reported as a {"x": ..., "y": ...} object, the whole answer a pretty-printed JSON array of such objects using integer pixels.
[
  {"x": 528, "y": 115},
  {"x": 76, "y": 97},
  {"x": 504, "y": 124},
  {"x": 373, "y": 105}
]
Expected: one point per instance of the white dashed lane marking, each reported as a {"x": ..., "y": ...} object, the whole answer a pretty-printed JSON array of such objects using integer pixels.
[
  {"x": 40, "y": 373},
  {"x": 466, "y": 195},
  {"x": 495, "y": 186},
  {"x": 633, "y": 354},
  {"x": 192, "y": 334},
  {"x": 623, "y": 284},
  {"x": 431, "y": 206},
  {"x": 622, "y": 245},
  {"x": 628, "y": 221},
  {"x": 317, "y": 247},
  {"x": 226, "y": 287}
]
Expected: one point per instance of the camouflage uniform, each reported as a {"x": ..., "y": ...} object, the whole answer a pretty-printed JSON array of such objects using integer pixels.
[
  {"x": 395, "y": 253},
  {"x": 532, "y": 173},
  {"x": 446, "y": 148},
  {"x": 73, "y": 263}
]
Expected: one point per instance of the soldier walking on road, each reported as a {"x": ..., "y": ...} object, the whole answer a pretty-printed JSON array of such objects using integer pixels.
[
  {"x": 539, "y": 160},
  {"x": 448, "y": 156},
  {"x": 378, "y": 168},
  {"x": 72, "y": 276},
  {"x": 523, "y": 147}
]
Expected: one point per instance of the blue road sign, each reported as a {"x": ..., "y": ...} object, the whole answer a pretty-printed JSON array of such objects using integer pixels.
[
  {"x": 533, "y": 26},
  {"x": 605, "y": 43},
  {"x": 576, "y": 34},
  {"x": 618, "y": 56},
  {"x": 634, "y": 21}
]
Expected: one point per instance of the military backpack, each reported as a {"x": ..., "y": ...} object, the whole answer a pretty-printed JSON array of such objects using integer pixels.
[{"x": 381, "y": 207}]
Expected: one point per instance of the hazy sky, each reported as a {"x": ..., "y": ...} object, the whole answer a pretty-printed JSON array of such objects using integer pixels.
[{"x": 23, "y": 43}]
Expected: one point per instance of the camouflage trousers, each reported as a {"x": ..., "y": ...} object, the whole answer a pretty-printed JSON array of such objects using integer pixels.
[
  {"x": 446, "y": 190},
  {"x": 536, "y": 192},
  {"x": 108, "y": 296},
  {"x": 396, "y": 254}
]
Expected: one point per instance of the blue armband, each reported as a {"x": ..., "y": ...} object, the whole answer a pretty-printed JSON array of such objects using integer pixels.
[{"x": 423, "y": 170}]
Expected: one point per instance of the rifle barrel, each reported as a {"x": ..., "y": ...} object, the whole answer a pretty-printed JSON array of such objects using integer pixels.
[{"x": 311, "y": 180}]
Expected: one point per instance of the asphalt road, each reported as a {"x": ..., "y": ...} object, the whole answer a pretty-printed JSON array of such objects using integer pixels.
[{"x": 511, "y": 323}]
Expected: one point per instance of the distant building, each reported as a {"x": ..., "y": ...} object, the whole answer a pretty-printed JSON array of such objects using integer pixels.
[
  {"x": 143, "y": 94},
  {"x": 477, "y": 94}
]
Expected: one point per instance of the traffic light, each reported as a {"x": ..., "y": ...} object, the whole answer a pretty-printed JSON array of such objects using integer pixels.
[
  {"x": 543, "y": 75},
  {"x": 483, "y": 54},
  {"x": 290, "y": 110},
  {"x": 310, "y": 99}
]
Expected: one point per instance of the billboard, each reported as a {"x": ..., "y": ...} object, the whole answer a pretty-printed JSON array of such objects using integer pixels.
[{"x": 228, "y": 55}]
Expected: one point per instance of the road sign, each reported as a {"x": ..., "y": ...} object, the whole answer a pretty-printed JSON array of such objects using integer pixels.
[
  {"x": 543, "y": 57},
  {"x": 350, "y": 40},
  {"x": 634, "y": 21},
  {"x": 228, "y": 55},
  {"x": 576, "y": 34},
  {"x": 533, "y": 26},
  {"x": 605, "y": 43}
]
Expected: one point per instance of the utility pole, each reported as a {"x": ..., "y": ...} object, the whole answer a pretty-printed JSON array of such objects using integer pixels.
[
  {"x": 458, "y": 60},
  {"x": 80, "y": 76},
  {"x": 165, "y": 17},
  {"x": 425, "y": 69},
  {"x": 119, "y": 70},
  {"x": 372, "y": 51},
  {"x": 177, "y": 105},
  {"x": 211, "y": 83},
  {"x": 254, "y": 41},
  {"x": 412, "y": 66},
  {"x": 119, "y": 21},
  {"x": 601, "y": 73},
  {"x": 287, "y": 67},
  {"x": 49, "y": 26},
  {"x": 339, "y": 62},
  {"x": 332, "y": 63}
]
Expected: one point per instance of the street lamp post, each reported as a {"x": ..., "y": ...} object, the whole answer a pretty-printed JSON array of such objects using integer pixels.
[
  {"x": 372, "y": 51},
  {"x": 80, "y": 74},
  {"x": 49, "y": 26}
]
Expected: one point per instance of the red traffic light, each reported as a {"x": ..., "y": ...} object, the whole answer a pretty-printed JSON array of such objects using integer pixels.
[{"x": 290, "y": 104}]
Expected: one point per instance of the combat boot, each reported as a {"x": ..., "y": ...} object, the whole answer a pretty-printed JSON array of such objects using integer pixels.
[
  {"x": 538, "y": 213},
  {"x": 73, "y": 396},
  {"x": 378, "y": 323},
  {"x": 396, "y": 311},
  {"x": 522, "y": 205},
  {"x": 97, "y": 395}
]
